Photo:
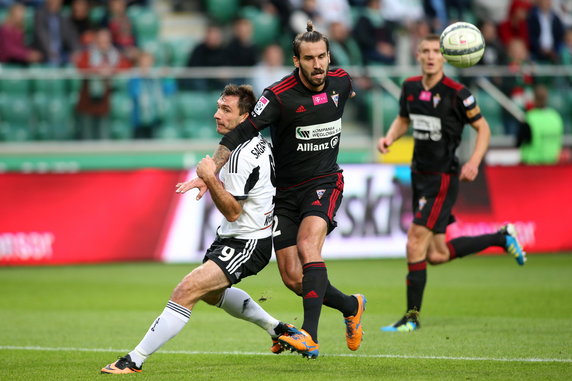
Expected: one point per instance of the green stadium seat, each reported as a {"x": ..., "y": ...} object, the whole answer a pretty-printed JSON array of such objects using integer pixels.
[
  {"x": 222, "y": 11},
  {"x": 145, "y": 23},
  {"x": 169, "y": 131},
  {"x": 266, "y": 26},
  {"x": 390, "y": 108},
  {"x": 121, "y": 129},
  {"x": 54, "y": 117},
  {"x": 16, "y": 109},
  {"x": 14, "y": 82},
  {"x": 199, "y": 129},
  {"x": 158, "y": 50},
  {"x": 195, "y": 105},
  {"x": 96, "y": 14},
  {"x": 121, "y": 107},
  {"x": 179, "y": 50},
  {"x": 47, "y": 82}
]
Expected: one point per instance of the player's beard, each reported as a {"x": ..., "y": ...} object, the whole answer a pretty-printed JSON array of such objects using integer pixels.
[{"x": 314, "y": 82}]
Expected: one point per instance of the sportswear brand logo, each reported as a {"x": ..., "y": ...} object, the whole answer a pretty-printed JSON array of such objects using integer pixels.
[
  {"x": 410, "y": 98},
  {"x": 310, "y": 295},
  {"x": 301, "y": 109},
  {"x": 317, "y": 203}
]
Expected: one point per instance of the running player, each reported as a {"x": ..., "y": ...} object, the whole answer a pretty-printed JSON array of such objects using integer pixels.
[
  {"x": 438, "y": 108},
  {"x": 304, "y": 112},
  {"x": 243, "y": 245}
]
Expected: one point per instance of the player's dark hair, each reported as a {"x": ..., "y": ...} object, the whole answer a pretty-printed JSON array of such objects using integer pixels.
[
  {"x": 310, "y": 35},
  {"x": 245, "y": 94}
]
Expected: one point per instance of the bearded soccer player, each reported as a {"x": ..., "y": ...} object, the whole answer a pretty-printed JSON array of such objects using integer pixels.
[
  {"x": 243, "y": 247},
  {"x": 438, "y": 108},
  {"x": 304, "y": 112}
]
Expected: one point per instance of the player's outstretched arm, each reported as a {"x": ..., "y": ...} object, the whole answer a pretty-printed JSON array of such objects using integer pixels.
[
  {"x": 219, "y": 158},
  {"x": 397, "y": 129}
]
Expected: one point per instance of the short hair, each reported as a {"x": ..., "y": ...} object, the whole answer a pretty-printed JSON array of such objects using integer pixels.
[
  {"x": 245, "y": 94},
  {"x": 310, "y": 35},
  {"x": 431, "y": 37}
]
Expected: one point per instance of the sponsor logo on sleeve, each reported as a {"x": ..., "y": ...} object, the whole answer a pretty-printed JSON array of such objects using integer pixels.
[
  {"x": 261, "y": 105},
  {"x": 469, "y": 101}
]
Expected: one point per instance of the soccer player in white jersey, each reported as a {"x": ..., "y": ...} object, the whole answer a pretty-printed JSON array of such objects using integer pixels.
[{"x": 243, "y": 246}]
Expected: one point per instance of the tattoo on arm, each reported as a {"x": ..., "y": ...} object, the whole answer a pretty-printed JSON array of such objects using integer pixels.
[{"x": 221, "y": 156}]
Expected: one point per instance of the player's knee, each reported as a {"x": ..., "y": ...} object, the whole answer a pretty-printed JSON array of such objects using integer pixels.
[
  {"x": 437, "y": 258},
  {"x": 293, "y": 282}
]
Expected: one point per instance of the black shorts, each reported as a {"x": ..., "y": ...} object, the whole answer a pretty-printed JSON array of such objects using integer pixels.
[
  {"x": 320, "y": 197},
  {"x": 239, "y": 258},
  {"x": 433, "y": 198}
]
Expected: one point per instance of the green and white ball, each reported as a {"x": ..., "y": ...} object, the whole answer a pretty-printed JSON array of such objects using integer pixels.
[{"x": 462, "y": 44}]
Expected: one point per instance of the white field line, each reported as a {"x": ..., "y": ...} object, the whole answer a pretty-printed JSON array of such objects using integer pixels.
[{"x": 224, "y": 353}]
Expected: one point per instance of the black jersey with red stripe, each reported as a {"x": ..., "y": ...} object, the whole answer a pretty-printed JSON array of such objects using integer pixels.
[
  {"x": 305, "y": 126},
  {"x": 438, "y": 116}
]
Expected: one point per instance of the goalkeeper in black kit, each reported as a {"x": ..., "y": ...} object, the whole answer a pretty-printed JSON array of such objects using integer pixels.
[{"x": 304, "y": 112}]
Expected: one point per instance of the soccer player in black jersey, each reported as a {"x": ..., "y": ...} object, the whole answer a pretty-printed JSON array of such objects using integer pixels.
[
  {"x": 304, "y": 111},
  {"x": 438, "y": 108}
]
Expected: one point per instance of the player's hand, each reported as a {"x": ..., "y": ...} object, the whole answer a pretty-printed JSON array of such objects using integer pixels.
[
  {"x": 469, "y": 172},
  {"x": 206, "y": 168},
  {"x": 383, "y": 144},
  {"x": 197, "y": 183}
]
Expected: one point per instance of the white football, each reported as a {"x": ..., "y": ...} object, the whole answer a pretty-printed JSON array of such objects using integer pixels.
[{"x": 462, "y": 44}]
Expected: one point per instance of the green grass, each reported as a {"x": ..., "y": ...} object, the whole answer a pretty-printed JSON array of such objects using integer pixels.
[{"x": 483, "y": 317}]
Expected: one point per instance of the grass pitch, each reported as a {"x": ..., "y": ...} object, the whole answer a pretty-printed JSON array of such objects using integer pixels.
[{"x": 483, "y": 317}]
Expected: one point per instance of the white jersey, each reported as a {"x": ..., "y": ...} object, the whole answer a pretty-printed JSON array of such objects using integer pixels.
[{"x": 249, "y": 176}]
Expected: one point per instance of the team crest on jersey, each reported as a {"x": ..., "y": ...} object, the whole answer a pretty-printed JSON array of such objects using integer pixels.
[
  {"x": 422, "y": 202},
  {"x": 335, "y": 98},
  {"x": 261, "y": 105},
  {"x": 320, "y": 193},
  {"x": 436, "y": 100},
  {"x": 469, "y": 101}
]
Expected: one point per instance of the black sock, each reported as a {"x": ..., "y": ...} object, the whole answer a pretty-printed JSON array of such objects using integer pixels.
[
  {"x": 416, "y": 279},
  {"x": 314, "y": 284},
  {"x": 336, "y": 299},
  {"x": 463, "y": 246}
]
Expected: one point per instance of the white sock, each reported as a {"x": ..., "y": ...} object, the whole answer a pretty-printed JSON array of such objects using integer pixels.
[
  {"x": 163, "y": 329},
  {"x": 239, "y": 304}
]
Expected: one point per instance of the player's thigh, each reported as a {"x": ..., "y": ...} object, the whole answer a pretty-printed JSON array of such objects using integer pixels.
[
  {"x": 198, "y": 283},
  {"x": 418, "y": 241}
]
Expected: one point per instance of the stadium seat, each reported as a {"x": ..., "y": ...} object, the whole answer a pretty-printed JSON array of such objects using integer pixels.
[
  {"x": 199, "y": 129},
  {"x": 222, "y": 11},
  {"x": 266, "y": 26},
  {"x": 121, "y": 129},
  {"x": 169, "y": 131},
  {"x": 179, "y": 50},
  {"x": 121, "y": 107},
  {"x": 54, "y": 117},
  {"x": 158, "y": 50},
  {"x": 47, "y": 82},
  {"x": 13, "y": 82},
  {"x": 145, "y": 23},
  {"x": 195, "y": 105}
]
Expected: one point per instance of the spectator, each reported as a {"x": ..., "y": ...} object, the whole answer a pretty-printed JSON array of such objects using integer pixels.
[
  {"x": 546, "y": 32},
  {"x": 495, "y": 51},
  {"x": 307, "y": 11},
  {"x": 209, "y": 53},
  {"x": 149, "y": 94},
  {"x": 540, "y": 136},
  {"x": 270, "y": 69},
  {"x": 12, "y": 47},
  {"x": 402, "y": 12},
  {"x": 101, "y": 60},
  {"x": 563, "y": 9},
  {"x": 375, "y": 36},
  {"x": 335, "y": 11},
  {"x": 241, "y": 51},
  {"x": 122, "y": 33},
  {"x": 80, "y": 19},
  {"x": 518, "y": 86},
  {"x": 515, "y": 25},
  {"x": 344, "y": 49},
  {"x": 54, "y": 35}
]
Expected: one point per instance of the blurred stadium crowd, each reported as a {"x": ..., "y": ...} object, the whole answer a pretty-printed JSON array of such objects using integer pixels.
[{"x": 84, "y": 69}]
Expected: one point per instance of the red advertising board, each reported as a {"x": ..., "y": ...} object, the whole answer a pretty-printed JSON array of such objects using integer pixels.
[
  {"x": 108, "y": 216},
  {"x": 84, "y": 217}
]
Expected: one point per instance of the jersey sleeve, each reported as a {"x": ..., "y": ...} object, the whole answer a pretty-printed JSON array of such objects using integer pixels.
[
  {"x": 265, "y": 112},
  {"x": 466, "y": 102}
]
